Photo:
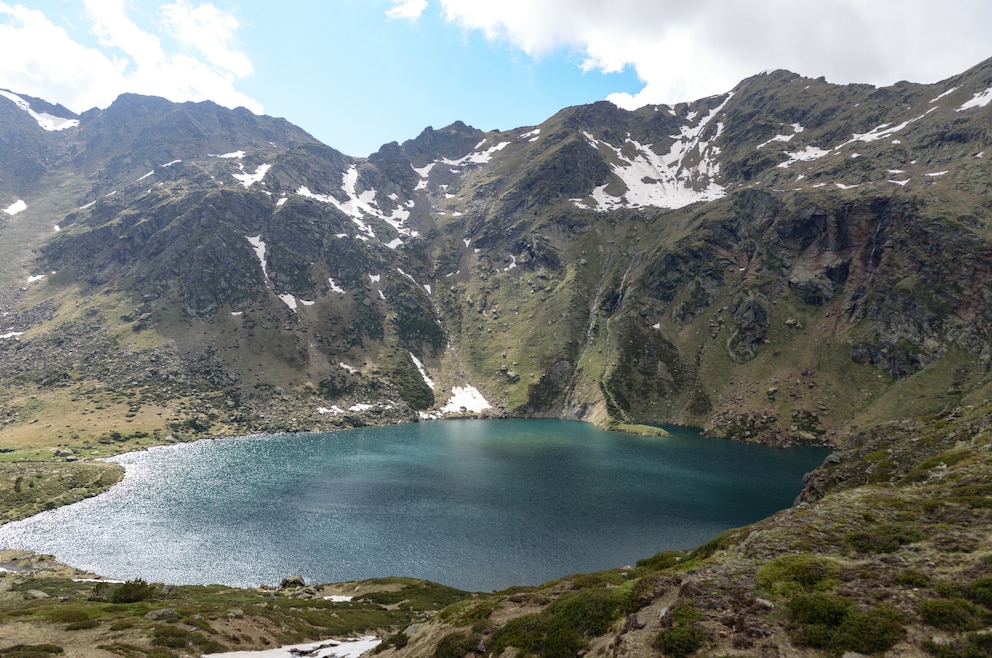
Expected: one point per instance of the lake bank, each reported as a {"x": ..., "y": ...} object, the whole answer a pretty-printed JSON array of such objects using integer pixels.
[{"x": 380, "y": 496}]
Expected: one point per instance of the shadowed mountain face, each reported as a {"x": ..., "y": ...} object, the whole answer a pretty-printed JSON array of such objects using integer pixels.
[{"x": 778, "y": 263}]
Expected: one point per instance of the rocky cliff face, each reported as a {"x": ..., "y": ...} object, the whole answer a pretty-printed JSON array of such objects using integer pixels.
[{"x": 776, "y": 263}]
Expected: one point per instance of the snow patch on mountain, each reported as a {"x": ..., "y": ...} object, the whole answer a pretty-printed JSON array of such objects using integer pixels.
[
  {"x": 796, "y": 129},
  {"x": 423, "y": 371},
  {"x": 259, "y": 247},
  {"x": 476, "y": 157},
  {"x": 362, "y": 205},
  {"x": 289, "y": 301},
  {"x": 247, "y": 179},
  {"x": 685, "y": 175},
  {"x": 980, "y": 99},
  {"x": 465, "y": 399},
  {"x": 232, "y": 154},
  {"x": 946, "y": 93},
  {"x": 808, "y": 154},
  {"x": 49, "y": 122},
  {"x": 15, "y": 207}
]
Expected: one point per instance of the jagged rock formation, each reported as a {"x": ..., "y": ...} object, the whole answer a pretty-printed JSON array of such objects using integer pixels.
[{"x": 673, "y": 264}]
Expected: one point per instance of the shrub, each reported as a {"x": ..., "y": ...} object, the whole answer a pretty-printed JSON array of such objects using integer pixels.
[
  {"x": 659, "y": 561},
  {"x": 132, "y": 591},
  {"x": 455, "y": 645},
  {"x": 952, "y": 614},
  {"x": 835, "y": 623},
  {"x": 398, "y": 641},
  {"x": 869, "y": 631},
  {"x": 681, "y": 641},
  {"x": 791, "y": 573},
  {"x": 819, "y": 609},
  {"x": 980, "y": 591},
  {"x": 882, "y": 539}
]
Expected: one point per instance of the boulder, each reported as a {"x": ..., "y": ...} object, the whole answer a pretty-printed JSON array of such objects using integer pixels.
[
  {"x": 292, "y": 581},
  {"x": 163, "y": 614}
]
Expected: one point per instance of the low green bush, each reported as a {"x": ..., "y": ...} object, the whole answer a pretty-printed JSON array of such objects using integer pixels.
[
  {"x": 884, "y": 538},
  {"x": 790, "y": 574},
  {"x": 456, "y": 645},
  {"x": 132, "y": 591},
  {"x": 681, "y": 641},
  {"x": 836, "y": 624},
  {"x": 952, "y": 614},
  {"x": 819, "y": 609}
]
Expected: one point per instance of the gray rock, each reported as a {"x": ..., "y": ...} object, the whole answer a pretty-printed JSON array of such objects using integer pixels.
[
  {"x": 34, "y": 594},
  {"x": 292, "y": 581},
  {"x": 163, "y": 614}
]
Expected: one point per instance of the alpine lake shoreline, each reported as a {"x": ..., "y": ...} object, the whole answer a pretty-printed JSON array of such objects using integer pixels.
[{"x": 73, "y": 606}]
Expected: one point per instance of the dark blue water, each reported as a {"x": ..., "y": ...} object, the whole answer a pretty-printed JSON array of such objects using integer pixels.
[{"x": 479, "y": 505}]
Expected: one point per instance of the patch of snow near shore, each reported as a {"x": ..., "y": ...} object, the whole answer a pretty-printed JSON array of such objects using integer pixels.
[
  {"x": 15, "y": 207},
  {"x": 335, "y": 409},
  {"x": 423, "y": 371},
  {"x": 465, "y": 399},
  {"x": 49, "y": 122},
  {"x": 350, "y": 648}
]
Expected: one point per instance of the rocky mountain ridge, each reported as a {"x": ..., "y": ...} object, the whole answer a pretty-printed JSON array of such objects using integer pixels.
[{"x": 778, "y": 263}]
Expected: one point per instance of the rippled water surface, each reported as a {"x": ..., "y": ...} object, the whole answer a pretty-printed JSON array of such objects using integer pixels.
[{"x": 475, "y": 504}]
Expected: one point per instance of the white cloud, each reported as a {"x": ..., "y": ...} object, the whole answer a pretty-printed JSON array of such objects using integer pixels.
[
  {"x": 38, "y": 57},
  {"x": 409, "y": 9},
  {"x": 688, "y": 49},
  {"x": 210, "y": 31}
]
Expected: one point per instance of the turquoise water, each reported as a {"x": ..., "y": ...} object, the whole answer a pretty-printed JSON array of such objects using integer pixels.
[{"x": 476, "y": 504}]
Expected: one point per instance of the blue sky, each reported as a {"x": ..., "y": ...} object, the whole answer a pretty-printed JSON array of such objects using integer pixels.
[{"x": 360, "y": 73}]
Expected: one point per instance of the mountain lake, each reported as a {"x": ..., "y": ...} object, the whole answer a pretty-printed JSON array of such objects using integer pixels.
[{"x": 476, "y": 504}]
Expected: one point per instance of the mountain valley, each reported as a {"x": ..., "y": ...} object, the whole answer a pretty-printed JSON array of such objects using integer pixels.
[{"x": 792, "y": 262}]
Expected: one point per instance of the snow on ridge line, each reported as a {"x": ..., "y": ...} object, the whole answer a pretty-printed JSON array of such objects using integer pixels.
[
  {"x": 49, "y": 122},
  {"x": 16, "y": 207}
]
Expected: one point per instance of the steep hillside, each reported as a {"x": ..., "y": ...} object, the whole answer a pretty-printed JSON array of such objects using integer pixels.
[{"x": 780, "y": 263}]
